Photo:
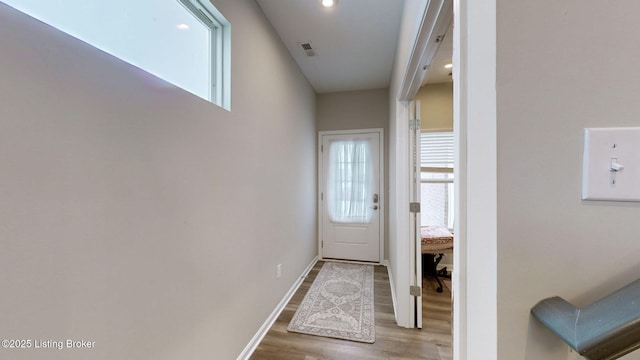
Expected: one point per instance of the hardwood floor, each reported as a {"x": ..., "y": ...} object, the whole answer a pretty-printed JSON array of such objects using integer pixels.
[{"x": 432, "y": 342}]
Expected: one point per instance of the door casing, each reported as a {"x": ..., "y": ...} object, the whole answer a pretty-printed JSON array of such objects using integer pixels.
[{"x": 382, "y": 203}]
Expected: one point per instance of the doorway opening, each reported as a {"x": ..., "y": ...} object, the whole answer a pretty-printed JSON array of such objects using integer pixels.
[
  {"x": 431, "y": 155},
  {"x": 475, "y": 255},
  {"x": 350, "y": 200}
]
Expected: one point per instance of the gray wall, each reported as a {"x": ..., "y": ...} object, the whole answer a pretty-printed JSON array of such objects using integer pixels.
[
  {"x": 139, "y": 216},
  {"x": 365, "y": 109},
  {"x": 562, "y": 66},
  {"x": 349, "y": 110}
]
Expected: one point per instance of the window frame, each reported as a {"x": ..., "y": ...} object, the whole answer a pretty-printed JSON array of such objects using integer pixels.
[
  {"x": 220, "y": 46},
  {"x": 217, "y": 88},
  {"x": 448, "y": 170}
]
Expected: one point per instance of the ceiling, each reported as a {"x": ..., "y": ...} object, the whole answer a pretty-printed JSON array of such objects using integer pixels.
[
  {"x": 354, "y": 43},
  {"x": 437, "y": 73}
]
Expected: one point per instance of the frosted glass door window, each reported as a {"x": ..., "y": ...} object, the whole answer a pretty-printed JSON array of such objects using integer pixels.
[{"x": 349, "y": 187}]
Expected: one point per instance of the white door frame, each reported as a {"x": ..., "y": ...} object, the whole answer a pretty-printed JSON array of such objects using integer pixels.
[
  {"x": 381, "y": 192},
  {"x": 475, "y": 275},
  {"x": 414, "y": 218},
  {"x": 434, "y": 22}
]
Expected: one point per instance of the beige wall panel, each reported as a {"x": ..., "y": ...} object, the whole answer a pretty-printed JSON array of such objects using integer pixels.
[
  {"x": 559, "y": 72},
  {"x": 436, "y": 106}
]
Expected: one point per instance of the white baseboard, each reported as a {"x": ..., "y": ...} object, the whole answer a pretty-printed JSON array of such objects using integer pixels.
[
  {"x": 262, "y": 332},
  {"x": 393, "y": 289}
]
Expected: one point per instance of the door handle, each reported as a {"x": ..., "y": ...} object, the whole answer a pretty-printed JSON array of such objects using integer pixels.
[{"x": 375, "y": 207}]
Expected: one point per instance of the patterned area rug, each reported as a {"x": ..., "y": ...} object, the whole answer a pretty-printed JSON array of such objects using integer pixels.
[{"x": 339, "y": 304}]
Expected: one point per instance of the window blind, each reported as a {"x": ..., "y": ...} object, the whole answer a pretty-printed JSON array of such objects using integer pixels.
[{"x": 436, "y": 150}]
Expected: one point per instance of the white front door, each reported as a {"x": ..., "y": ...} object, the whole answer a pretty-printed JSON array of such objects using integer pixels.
[{"x": 350, "y": 198}]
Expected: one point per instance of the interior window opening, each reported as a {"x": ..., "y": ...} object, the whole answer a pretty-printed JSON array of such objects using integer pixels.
[
  {"x": 184, "y": 42},
  {"x": 436, "y": 179}
]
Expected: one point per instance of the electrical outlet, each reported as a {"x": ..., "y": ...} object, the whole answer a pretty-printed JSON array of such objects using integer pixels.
[{"x": 278, "y": 271}]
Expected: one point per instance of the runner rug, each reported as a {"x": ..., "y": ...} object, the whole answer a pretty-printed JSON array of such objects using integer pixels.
[{"x": 339, "y": 304}]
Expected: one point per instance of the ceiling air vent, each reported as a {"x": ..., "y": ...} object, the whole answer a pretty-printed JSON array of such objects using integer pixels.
[{"x": 306, "y": 47}]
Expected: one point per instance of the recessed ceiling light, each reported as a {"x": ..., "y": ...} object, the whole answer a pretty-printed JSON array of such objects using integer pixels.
[
  {"x": 182, "y": 27},
  {"x": 448, "y": 66},
  {"x": 329, "y": 3}
]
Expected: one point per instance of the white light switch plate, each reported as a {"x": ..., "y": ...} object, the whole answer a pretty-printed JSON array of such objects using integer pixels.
[{"x": 604, "y": 147}]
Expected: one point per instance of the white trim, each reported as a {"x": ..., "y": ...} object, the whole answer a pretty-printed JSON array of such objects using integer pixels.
[
  {"x": 264, "y": 329},
  {"x": 415, "y": 218},
  {"x": 403, "y": 265},
  {"x": 393, "y": 289},
  {"x": 382, "y": 200},
  {"x": 475, "y": 254},
  {"x": 475, "y": 320},
  {"x": 220, "y": 56},
  {"x": 435, "y": 22},
  {"x": 459, "y": 282}
]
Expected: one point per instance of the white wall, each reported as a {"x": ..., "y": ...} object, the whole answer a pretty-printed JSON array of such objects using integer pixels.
[
  {"x": 139, "y": 216},
  {"x": 562, "y": 66}
]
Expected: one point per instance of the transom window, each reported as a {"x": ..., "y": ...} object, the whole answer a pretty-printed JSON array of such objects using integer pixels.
[{"x": 185, "y": 42}]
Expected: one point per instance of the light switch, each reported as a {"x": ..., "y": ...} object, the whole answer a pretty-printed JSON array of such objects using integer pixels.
[{"x": 611, "y": 164}]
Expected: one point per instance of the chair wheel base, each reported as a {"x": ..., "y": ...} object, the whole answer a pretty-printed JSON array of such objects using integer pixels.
[{"x": 429, "y": 268}]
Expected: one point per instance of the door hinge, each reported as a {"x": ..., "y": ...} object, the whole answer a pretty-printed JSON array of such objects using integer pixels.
[
  {"x": 321, "y": 148},
  {"x": 414, "y": 207},
  {"x": 321, "y": 196},
  {"x": 414, "y": 124},
  {"x": 322, "y": 244},
  {"x": 415, "y": 291}
]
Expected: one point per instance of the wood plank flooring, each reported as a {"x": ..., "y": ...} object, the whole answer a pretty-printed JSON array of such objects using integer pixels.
[{"x": 432, "y": 342}]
